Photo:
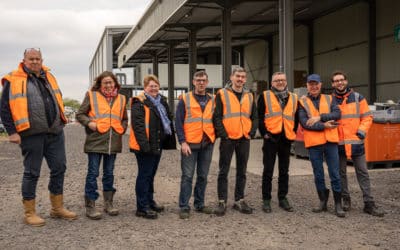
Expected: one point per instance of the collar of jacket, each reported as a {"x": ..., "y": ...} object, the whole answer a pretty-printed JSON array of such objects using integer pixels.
[
  {"x": 228, "y": 86},
  {"x": 345, "y": 94},
  {"x": 30, "y": 73}
]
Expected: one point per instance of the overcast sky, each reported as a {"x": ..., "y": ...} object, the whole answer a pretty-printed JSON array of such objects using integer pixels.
[{"x": 66, "y": 31}]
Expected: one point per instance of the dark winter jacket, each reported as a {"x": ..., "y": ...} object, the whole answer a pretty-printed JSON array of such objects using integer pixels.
[{"x": 158, "y": 140}]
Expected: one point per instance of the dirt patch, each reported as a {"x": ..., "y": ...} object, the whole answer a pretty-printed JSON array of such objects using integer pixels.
[{"x": 301, "y": 229}]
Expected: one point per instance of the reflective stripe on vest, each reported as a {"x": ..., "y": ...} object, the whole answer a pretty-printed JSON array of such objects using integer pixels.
[
  {"x": 104, "y": 115},
  {"x": 197, "y": 121},
  {"x": 18, "y": 96},
  {"x": 236, "y": 115},
  {"x": 315, "y": 138},
  {"x": 275, "y": 118},
  {"x": 133, "y": 144},
  {"x": 354, "y": 120}
]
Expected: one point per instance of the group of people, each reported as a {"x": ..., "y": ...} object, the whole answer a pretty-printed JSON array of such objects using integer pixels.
[{"x": 334, "y": 128}]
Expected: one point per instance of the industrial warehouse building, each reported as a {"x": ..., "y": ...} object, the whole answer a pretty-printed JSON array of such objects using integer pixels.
[{"x": 175, "y": 38}]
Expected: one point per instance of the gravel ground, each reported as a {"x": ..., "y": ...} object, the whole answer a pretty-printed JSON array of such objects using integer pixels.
[{"x": 301, "y": 229}]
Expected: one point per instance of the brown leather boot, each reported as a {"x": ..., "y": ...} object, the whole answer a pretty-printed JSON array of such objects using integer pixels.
[
  {"x": 91, "y": 211},
  {"x": 58, "y": 210},
  {"x": 108, "y": 203},
  {"x": 30, "y": 214}
]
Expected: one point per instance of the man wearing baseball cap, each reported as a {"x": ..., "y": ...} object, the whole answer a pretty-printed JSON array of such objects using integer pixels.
[{"x": 318, "y": 115}]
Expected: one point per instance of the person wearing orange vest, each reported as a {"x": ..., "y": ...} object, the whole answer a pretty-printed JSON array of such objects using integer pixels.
[
  {"x": 32, "y": 111},
  {"x": 195, "y": 131},
  {"x": 151, "y": 131},
  {"x": 104, "y": 116},
  {"x": 353, "y": 126},
  {"x": 318, "y": 114},
  {"x": 235, "y": 122},
  {"x": 278, "y": 127}
]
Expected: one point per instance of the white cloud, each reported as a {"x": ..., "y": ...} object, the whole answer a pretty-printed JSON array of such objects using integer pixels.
[{"x": 66, "y": 31}]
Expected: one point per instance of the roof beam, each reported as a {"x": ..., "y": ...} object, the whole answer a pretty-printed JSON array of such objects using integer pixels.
[{"x": 202, "y": 25}]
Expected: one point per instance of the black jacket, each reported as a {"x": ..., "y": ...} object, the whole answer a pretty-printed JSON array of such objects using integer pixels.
[{"x": 158, "y": 140}]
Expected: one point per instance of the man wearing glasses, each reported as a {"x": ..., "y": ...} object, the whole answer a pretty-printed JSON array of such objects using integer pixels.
[
  {"x": 354, "y": 123},
  {"x": 33, "y": 114},
  {"x": 196, "y": 135},
  {"x": 278, "y": 127}
]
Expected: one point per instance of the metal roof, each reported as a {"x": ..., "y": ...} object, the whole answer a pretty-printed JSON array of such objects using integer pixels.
[{"x": 166, "y": 22}]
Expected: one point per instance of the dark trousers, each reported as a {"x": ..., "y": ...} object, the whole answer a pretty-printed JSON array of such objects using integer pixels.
[
  {"x": 93, "y": 172},
  {"x": 270, "y": 149},
  {"x": 147, "y": 164},
  {"x": 360, "y": 166},
  {"x": 241, "y": 148},
  {"x": 36, "y": 147}
]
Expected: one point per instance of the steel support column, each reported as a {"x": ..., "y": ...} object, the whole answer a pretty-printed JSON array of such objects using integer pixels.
[
  {"x": 155, "y": 64},
  {"x": 171, "y": 77},
  {"x": 226, "y": 44},
  {"x": 109, "y": 55},
  {"x": 270, "y": 60},
  {"x": 310, "y": 27},
  {"x": 192, "y": 55},
  {"x": 286, "y": 45},
  {"x": 372, "y": 51}
]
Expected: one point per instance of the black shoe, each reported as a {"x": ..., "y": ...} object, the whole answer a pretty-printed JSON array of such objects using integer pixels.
[
  {"x": 346, "y": 203},
  {"x": 284, "y": 204},
  {"x": 184, "y": 213},
  {"x": 267, "y": 206},
  {"x": 148, "y": 214},
  {"x": 372, "y": 209},
  {"x": 242, "y": 207},
  {"x": 337, "y": 196},
  {"x": 157, "y": 208},
  {"x": 205, "y": 210},
  {"x": 221, "y": 209},
  {"x": 323, "y": 200}
]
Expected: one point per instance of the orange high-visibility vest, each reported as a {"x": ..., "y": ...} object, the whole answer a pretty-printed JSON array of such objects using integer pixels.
[
  {"x": 103, "y": 115},
  {"x": 275, "y": 118},
  {"x": 356, "y": 117},
  {"x": 236, "y": 115},
  {"x": 133, "y": 144},
  {"x": 197, "y": 121},
  {"x": 18, "y": 101},
  {"x": 315, "y": 138}
]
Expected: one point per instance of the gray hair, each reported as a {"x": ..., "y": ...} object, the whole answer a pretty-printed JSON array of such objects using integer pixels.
[{"x": 277, "y": 74}]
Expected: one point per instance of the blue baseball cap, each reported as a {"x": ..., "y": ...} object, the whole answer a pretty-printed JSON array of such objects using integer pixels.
[{"x": 313, "y": 78}]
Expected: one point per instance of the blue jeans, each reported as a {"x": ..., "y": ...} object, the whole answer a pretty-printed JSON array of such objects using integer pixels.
[
  {"x": 188, "y": 164},
  {"x": 93, "y": 173},
  {"x": 34, "y": 148},
  {"x": 147, "y": 164},
  {"x": 330, "y": 150}
]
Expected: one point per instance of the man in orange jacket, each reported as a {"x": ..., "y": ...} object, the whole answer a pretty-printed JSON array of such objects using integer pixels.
[
  {"x": 235, "y": 122},
  {"x": 317, "y": 115},
  {"x": 277, "y": 124},
  {"x": 32, "y": 111},
  {"x": 355, "y": 121},
  {"x": 196, "y": 135}
]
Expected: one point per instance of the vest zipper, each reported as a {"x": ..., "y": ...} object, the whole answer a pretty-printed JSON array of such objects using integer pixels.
[{"x": 110, "y": 133}]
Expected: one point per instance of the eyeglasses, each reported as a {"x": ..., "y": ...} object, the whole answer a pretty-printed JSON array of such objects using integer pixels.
[
  {"x": 279, "y": 80},
  {"x": 339, "y": 80},
  {"x": 200, "y": 80},
  {"x": 31, "y": 49}
]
